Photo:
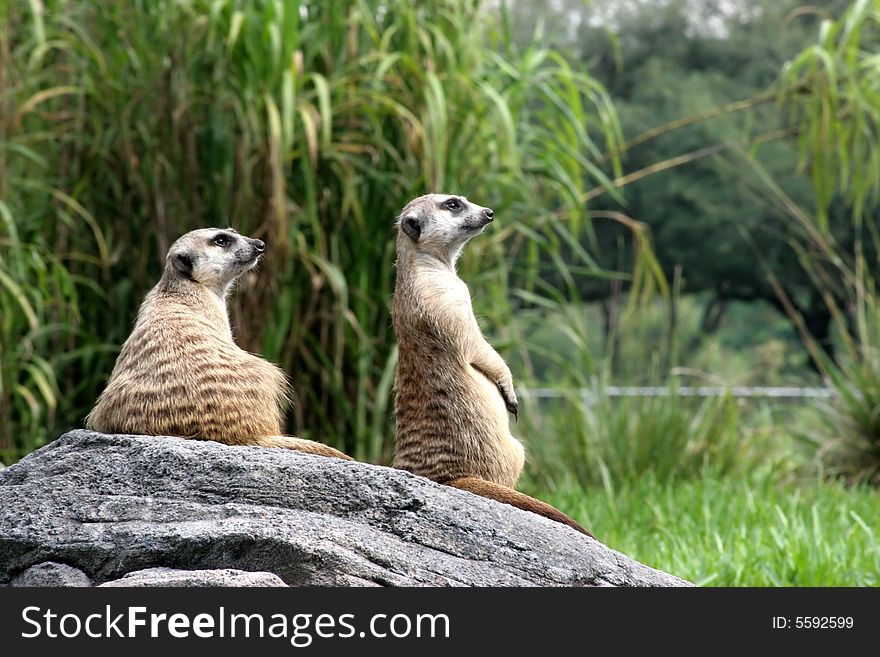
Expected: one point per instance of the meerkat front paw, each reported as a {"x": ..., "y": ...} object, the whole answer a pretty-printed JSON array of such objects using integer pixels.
[{"x": 509, "y": 396}]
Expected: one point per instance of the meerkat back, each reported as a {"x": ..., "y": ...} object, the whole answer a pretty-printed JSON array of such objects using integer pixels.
[{"x": 180, "y": 372}]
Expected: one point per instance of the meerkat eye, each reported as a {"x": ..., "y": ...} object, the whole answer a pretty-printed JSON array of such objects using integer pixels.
[
  {"x": 222, "y": 240},
  {"x": 453, "y": 205}
]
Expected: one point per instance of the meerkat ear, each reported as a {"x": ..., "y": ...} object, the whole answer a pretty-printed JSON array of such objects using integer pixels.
[
  {"x": 183, "y": 262},
  {"x": 412, "y": 226}
]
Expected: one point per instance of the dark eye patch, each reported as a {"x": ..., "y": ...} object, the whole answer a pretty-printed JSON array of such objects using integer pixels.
[
  {"x": 222, "y": 239},
  {"x": 453, "y": 205}
]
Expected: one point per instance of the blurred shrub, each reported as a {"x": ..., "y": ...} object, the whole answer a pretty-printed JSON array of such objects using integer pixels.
[{"x": 606, "y": 440}]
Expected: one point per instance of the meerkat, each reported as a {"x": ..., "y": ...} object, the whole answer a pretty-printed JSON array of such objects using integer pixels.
[
  {"x": 453, "y": 391},
  {"x": 180, "y": 372}
]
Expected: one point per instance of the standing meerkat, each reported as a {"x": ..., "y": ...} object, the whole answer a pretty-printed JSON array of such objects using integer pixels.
[
  {"x": 180, "y": 372},
  {"x": 453, "y": 391}
]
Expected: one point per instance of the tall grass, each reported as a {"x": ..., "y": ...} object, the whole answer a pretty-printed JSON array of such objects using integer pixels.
[
  {"x": 831, "y": 92},
  {"x": 307, "y": 124},
  {"x": 598, "y": 440}
]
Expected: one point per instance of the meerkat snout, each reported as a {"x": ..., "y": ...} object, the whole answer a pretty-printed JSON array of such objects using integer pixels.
[{"x": 483, "y": 218}]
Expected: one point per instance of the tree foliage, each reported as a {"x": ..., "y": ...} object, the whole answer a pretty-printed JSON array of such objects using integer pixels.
[{"x": 726, "y": 123}]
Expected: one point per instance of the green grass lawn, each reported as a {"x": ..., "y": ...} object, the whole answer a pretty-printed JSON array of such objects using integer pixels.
[{"x": 732, "y": 532}]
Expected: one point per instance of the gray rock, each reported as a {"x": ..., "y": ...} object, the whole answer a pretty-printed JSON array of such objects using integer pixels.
[
  {"x": 50, "y": 573},
  {"x": 173, "y": 577},
  {"x": 111, "y": 505}
]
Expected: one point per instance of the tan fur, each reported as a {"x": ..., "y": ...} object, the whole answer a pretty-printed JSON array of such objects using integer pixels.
[
  {"x": 452, "y": 391},
  {"x": 180, "y": 372},
  {"x": 512, "y": 497}
]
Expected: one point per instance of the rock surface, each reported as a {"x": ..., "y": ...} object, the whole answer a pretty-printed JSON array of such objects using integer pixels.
[
  {"x": 50, "y": 573},
  {"x": 111, "y": 505},
  {"x": 173, "y": 577}
]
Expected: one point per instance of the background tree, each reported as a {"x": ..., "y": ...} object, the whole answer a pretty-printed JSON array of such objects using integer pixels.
[{"x": 697, "y": 86}]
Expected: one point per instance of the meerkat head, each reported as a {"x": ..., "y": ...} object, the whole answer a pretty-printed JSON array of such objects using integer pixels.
[
  {"x": 441, "y": 224},
  {"x": 213, "y": 257}
]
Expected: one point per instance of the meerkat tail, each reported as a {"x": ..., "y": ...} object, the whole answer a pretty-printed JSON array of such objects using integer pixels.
[
  {"x": 303, "y": 445},
  {"x": 513, "y": 497}
]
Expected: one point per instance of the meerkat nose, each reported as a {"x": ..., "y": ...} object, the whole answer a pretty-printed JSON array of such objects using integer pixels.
[
  {"x": 489, "y": 213},
  {"x": 259, "y": 245}
]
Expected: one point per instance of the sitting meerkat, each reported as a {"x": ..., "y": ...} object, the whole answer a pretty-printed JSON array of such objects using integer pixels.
[
  {"x": 453, "y": 391},
  {"x": 180, "y": 372}
]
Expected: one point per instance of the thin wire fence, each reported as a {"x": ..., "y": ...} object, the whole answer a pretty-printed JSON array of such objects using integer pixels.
[{"x": 589, "y": 395}]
